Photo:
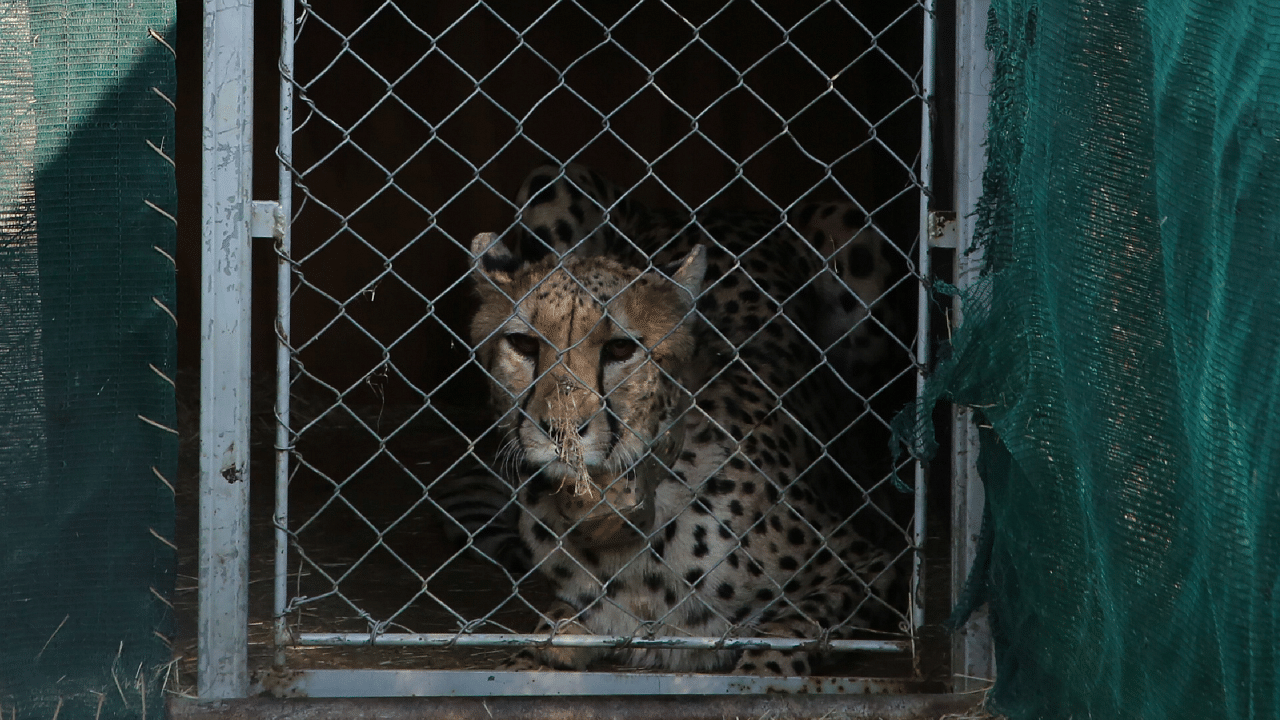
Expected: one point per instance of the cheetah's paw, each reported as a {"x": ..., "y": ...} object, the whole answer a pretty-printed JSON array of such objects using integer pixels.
[{"x": 773, "y": 663}]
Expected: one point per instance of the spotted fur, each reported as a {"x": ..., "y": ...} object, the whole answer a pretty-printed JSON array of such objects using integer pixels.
[{"x": 674, "y": 469}]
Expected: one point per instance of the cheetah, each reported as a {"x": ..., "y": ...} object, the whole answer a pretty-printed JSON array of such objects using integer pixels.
[{"x": 668, "y": 417}]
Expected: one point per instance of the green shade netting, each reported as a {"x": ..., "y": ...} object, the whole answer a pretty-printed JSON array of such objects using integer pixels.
[
  {"x": 86, "y": 409},
  {"x": 1124, "y": 348}
]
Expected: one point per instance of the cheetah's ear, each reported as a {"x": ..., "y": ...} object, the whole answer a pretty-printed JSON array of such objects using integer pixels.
[
  {"x": 492, "y": 256},
  {"x": 689, "y": 271}
]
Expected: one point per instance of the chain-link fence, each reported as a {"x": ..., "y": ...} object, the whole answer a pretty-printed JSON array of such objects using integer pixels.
[{"x": 790, "y": 142}]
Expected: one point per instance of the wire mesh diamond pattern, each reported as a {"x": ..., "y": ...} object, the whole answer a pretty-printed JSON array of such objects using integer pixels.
[{"x": 730, "y": 126}]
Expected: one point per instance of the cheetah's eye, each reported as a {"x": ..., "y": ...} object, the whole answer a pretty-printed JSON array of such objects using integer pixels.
[
  {"x": 618, "y": 350},
  {"x": 526, "y": 345}
]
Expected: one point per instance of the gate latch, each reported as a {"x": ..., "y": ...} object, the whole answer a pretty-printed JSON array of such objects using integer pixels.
[
  {"x": 942, "y": 229},
  {"x": 266, "y": 221}
]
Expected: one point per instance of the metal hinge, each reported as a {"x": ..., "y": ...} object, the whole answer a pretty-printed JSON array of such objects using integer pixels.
[
  {"x": 267, "y": 220},
  {"x": 942, "y": 229}
]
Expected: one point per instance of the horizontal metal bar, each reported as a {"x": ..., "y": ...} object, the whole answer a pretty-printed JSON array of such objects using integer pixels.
[
  {"x": 481, "y": 683},
  {"x": 596, "y": 641},
  {"x": 642, "y": 707}
]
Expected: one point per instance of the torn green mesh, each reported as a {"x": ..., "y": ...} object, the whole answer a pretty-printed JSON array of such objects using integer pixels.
[{"x": 1124, "y": 348}]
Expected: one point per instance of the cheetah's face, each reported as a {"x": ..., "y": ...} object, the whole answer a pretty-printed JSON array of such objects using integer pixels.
[{"x": 585, "y": 357}]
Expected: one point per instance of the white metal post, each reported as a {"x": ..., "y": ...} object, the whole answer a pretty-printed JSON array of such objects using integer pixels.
[
  {"x": 284, "y": 294},
  {"x": 226, "y": 172},
  {"x": 973, "y": 664},
  {"x": 922, "y": 351}
]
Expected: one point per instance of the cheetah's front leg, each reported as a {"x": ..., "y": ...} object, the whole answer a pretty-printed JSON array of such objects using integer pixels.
[
  {"x": 819, "y": 612},
  {"x": 773, "y": 663},
  {"x": 567, "y": 619}
]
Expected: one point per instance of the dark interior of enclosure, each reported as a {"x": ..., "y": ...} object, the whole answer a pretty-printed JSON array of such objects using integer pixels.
[
  {"x": 400, "y": 157},
  {"x": 710, "y": 130}
]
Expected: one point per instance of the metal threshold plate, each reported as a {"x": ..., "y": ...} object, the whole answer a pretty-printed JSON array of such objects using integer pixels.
[{"x": 482, "y": 683}]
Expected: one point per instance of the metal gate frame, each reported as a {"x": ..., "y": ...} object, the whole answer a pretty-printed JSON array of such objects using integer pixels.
[
  {"x": 230, "y": 218},
  {"x": 972, "y": 657}
]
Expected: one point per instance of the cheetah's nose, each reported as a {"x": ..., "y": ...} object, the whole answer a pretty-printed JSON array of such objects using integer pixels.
[{"x": 546, "y": 427}]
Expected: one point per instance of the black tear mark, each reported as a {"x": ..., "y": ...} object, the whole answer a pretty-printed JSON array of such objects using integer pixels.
[{"x": 232, "y": 474}]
